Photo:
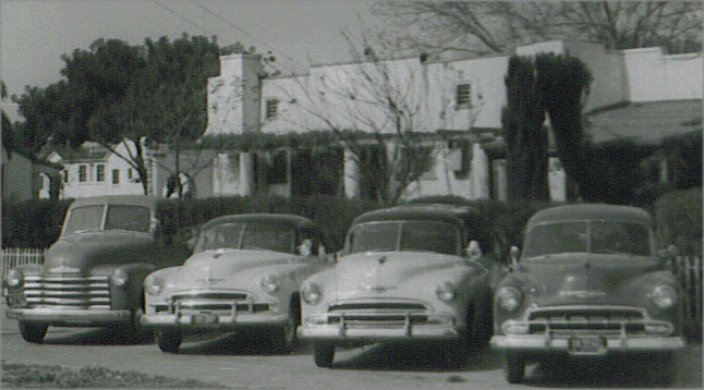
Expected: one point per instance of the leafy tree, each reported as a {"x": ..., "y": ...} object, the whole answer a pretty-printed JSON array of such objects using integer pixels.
[
  {"x": 113, "y": 92},
  {"x": 496, "y": 27},
  {"x": 8, "y": 135}
]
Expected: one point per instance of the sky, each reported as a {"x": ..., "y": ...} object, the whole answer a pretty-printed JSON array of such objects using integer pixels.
[{"x": 35, "y": 33}]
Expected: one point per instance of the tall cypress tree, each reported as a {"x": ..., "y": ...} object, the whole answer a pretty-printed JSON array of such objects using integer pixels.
[{"x": 526, "y": 137}]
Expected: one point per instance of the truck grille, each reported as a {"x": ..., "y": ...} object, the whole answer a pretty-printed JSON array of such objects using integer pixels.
[
  {"x": 77, "y": 292},
  {"x": 584, "y": 319}
]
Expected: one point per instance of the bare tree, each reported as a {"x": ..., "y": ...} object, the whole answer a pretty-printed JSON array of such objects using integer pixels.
[
  {"x": 375, "y": 111},
  {"x": 497, "y": 27}
]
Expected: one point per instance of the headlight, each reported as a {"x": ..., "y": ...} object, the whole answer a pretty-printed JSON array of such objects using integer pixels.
[
  {"x": 311, "y": 294},
  {"x": 270, "y": 283},
  {"x": 446, "y": 292},
  {"x": 14, "y": 278},
  {"x": 664, "y": 296},
  {"x": 118, "y": 278},
  {"x": 509, "y": 298},
  {"x": 153, "y": 285}
]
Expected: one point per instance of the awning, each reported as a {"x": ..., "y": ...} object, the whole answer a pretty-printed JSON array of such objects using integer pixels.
[{"x": 645, "y": 123}]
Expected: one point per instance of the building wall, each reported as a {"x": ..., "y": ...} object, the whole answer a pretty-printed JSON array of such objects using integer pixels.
[
  {"x": 653, "y": 76},
  {"x": 16, "y": 177}
]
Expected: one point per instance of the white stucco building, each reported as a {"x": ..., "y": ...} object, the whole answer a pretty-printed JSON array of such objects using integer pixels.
[{"x": 462, "y": 96}]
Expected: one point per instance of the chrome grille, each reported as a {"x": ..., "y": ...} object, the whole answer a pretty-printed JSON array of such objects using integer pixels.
[
  {"x": 79, "y": 292},
  {"x": 566, "y": 320},
  {"x": 193, "y": 302},
  {"x": 377, "y": 314}
]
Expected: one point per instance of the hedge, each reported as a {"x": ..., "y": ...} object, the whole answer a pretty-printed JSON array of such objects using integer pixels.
[
  {"x": 678, "y": 221},
  {"x": 34, "y": 223}
]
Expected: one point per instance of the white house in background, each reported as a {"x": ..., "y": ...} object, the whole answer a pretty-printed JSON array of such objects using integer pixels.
[
  {"x": 93, "y": 170},
  {"x": 460, "y": 96}
]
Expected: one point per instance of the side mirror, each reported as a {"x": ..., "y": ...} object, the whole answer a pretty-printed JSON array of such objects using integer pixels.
[
  {"x": 671, "y": 252},
  {"x": 515, "y": 253}
]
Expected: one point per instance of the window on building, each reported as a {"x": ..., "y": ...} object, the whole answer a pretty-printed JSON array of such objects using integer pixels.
[
  {"x": 82, "y": 173},
  {"x": 272, "y": 106},
  {"x": 64, "y": 175},
  {"x": 100, "y": 173},
  {"x": 129, "y": 173},
  {"x": 115, "y": 176},
  {"x": 463, "y": 97}
]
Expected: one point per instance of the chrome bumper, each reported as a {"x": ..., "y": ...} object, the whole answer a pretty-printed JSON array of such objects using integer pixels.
[
  {"x": 540, "y": 343},
  {"x": 70, "y": 317},
  {"x": 314, "y": 328},
  {"x": 208, "y": 321}
]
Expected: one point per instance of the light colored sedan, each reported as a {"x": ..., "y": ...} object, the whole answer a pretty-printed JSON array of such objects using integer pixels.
[
  {"x": 245, "y": 273},
  {"x": 403, "y": 275}
]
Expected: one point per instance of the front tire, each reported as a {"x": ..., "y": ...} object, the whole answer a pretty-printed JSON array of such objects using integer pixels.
[
  {"x": 33, "y": 333},
  {"x": 514, "y": 370},
  {"x": 324, "y": 355},
  {"x": 168, "y": 341}
]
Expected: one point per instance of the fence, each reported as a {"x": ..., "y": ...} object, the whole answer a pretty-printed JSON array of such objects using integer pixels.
[
  {"x": 689, "y": 272},
  {"x": 13, "y": 257}
]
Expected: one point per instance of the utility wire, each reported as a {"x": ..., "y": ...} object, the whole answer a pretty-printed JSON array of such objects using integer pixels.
[
  {"x": 205, "y": 30},
  {"x": 229, "y": 23}
]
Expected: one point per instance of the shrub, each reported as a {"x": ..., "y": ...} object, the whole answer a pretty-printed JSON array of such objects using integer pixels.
[
  {"x": 34, "y": 223},
  {"x": 678, "y": 220}
]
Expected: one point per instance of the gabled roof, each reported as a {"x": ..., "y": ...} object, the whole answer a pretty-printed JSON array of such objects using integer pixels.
[
  {"x": 93, "y": 152},
  {"x": 645, "y": 123}
]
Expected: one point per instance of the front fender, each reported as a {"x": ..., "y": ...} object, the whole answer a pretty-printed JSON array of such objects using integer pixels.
[{"x": 131, "y": 295}]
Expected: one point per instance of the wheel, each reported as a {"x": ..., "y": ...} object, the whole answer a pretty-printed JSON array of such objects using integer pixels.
[
  {"x": 168, "y": 340},
  {"x": 283, "y": 339},
  {"x": 33, "y": 333},
  {"x": 514, "y": 368},
  {"x": 324, "y": 355}
]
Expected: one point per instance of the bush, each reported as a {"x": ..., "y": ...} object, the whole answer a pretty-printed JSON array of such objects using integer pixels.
[
  {"x": 678, "y": 221},
  {"x": 34, "y": 223},
  {"x": 333, "y": 214}
]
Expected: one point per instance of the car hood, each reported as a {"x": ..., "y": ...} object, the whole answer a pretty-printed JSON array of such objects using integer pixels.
[
  {"x": 217, "y": 267},
  {"x": 80, "y": 252},
  {"x": 584, "y": 278},
  {"x": 372, "y": 273}
]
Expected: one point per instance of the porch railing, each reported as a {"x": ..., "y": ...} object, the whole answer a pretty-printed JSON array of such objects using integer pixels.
[{"x": 13, "y": 257}]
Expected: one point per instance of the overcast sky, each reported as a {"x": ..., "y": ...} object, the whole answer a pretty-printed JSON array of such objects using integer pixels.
[{"x": 35, "y": 33}]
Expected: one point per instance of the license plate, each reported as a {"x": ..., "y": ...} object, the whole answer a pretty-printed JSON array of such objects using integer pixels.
[
  {"x": 587, "y": 345},
  {"x": 204, "y": 318}
]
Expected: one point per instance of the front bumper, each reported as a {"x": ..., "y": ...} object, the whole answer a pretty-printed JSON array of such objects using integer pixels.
[
  {"x": 70, "y": 317},
  {"x": 214, "y": 321},
  {"x": 315, "y": 329},
  {"x": 530, "y": 343}
]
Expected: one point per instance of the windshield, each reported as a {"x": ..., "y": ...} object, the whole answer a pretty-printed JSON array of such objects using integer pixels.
[
  {"x": 274, "y": 236},
  {"x": 603, "y": 237},
  {"x": 118, "y": 217},
  {"x": 430, "y": 236}
]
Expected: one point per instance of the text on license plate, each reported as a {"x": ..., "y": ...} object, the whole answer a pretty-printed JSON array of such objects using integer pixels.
[
  {"x": 587, "y": 345},
  {"x": 204, "y": 318}
]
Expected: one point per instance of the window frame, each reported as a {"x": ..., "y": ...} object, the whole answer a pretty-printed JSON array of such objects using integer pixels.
[
  {"x": 100, "y": 173},
  {"x": 115, "y": 177},
  {"x": 463, "y": 99},
  {"x": 271, "y": 108}
]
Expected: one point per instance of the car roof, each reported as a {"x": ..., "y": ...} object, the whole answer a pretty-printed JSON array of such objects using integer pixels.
[
  {"x": 590, "y": 212},
  {"x": 129, "y": 200},
  {"x": 292, "y": 219},
  {"x": 402, "y": 213}
]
